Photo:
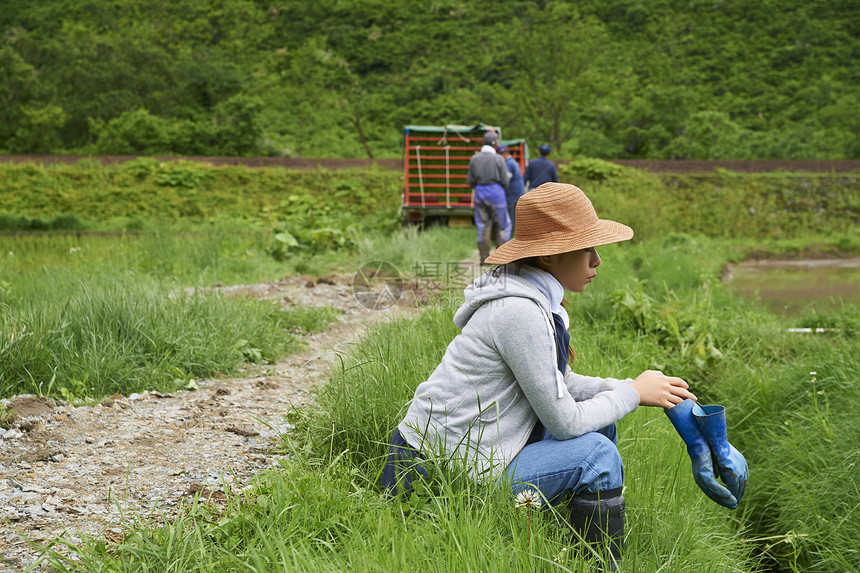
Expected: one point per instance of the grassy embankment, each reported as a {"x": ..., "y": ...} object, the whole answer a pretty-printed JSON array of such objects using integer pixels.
[
  {"x": 657, "y": 303},
  {"x": 86, "y": 315}
]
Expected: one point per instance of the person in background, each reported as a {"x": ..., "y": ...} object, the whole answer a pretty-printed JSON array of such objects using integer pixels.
[
  {"x": 488, "y": 177},
  {"x": 540, "y": 170},
  {"x": 516, "y": 188}
]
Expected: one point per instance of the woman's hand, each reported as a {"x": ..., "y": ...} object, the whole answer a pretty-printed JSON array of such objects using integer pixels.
[{"x": 657, "y": 389}]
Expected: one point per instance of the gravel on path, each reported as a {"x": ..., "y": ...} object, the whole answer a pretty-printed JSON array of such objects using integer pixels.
[{"x": 89, "y": 470}]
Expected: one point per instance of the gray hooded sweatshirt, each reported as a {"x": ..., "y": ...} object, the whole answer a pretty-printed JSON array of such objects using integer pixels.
[{"x": 500, "y": 375}]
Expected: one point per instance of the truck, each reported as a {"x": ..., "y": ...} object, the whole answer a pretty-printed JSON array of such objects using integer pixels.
[{"x": 435, "y": 172}]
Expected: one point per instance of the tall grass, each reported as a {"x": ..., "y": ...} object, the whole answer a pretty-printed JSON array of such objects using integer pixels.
[
  {"x": 127, "y": 333},
  {"x": 228, "y": 252},
  {"x": 84, "y": 317},
  {"x": 323, "y": 517},
  {"x": 409, "y": 249},
  {"x": 655, "y": 304},
  {"x": 763, "y": 206},
  {"x": 189, "y": 254},
  {"x": 660, "y": 305},
  {"x": 800, "y": 434},
  {"x": 324, "y": 510},
  {"x": 788, "y": 396}
]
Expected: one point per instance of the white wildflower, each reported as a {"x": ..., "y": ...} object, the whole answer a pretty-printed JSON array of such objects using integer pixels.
[{"x": 528, "y": 498}]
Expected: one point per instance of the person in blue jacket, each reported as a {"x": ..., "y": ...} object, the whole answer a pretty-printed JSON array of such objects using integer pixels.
[
  {"x": 516, "y": 187},
  {"x": 540, "y": 170}
]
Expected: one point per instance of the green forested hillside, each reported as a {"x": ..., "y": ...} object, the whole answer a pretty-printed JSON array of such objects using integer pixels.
[{"x": 724, "y": 79}]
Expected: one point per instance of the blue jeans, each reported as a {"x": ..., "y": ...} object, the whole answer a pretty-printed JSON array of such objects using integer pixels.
[
  {"x": 587, "y": 464},
  {"x": 590, "y": 463},
  {"x": 402, "y": 466}
]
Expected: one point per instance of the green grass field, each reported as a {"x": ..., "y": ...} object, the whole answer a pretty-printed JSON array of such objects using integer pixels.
[
  {"x": 655, "y": 304},
  {"x": 84, "y": 316}
]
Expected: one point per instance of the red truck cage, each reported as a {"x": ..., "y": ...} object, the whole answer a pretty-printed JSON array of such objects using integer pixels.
[{"x": 435, "y": 169}]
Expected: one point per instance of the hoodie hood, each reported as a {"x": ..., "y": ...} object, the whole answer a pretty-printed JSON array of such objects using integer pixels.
[
  {"x": 495, "y": 284},
  {"x": 499, "y": 376}
]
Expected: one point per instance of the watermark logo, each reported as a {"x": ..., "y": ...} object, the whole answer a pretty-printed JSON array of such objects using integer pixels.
[{"x": 377, "y": 285}]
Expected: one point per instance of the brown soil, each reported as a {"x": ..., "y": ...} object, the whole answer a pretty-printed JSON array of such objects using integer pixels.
[{"x": 27, "y": 406}]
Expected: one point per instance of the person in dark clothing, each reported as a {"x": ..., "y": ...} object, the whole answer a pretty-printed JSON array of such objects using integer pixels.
[
  {"x": 516, "y": 188},
  {"x": 489, "y": 177},
  {"x": 540, "y": 170}
]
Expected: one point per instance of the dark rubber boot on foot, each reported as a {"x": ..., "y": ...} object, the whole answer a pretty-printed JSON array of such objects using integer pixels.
[
  {"x": 599, "y": 519},
  {"x": 483, "y": 252}
]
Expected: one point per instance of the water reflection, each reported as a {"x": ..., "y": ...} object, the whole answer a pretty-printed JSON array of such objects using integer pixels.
[{"x": 788, "y": 286}]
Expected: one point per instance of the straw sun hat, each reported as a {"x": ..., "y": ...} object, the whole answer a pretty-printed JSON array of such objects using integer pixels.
[{"x": 557, "y": 218}]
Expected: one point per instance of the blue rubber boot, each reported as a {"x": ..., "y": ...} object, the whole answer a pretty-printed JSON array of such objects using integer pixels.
[
  {"x": 730, "y": 464},
  {"x": 687, "y": 427}
]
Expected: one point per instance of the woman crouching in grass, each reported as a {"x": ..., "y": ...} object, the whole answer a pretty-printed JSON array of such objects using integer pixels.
[{"x": 504, "y": 398}]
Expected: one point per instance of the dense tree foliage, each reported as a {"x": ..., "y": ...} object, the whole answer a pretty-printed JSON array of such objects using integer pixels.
[{"x": 724, "y": 79}]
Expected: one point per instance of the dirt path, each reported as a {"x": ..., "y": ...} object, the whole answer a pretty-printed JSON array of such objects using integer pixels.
[{"x": 91, "y": 469}]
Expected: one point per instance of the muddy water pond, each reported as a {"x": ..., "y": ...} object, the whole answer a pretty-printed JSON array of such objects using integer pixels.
[{"x": 788, "y": 286}]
